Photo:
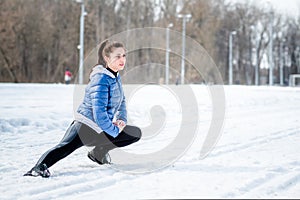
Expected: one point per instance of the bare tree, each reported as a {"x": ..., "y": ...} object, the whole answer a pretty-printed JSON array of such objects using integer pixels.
[{"x": 39, "y": 38}]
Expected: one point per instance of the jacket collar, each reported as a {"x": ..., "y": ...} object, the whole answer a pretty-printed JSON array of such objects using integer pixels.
[{"x": 101, "y": 70}]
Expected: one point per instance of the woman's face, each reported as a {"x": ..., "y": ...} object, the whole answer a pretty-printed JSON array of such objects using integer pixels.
[{"x": 117, "y": 59}]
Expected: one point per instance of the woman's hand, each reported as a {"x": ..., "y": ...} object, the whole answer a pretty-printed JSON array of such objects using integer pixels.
[{"x": 120, "y": 124}]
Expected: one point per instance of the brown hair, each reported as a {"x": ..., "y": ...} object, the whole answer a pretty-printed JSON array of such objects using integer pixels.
[{"x": 107, "y": 47}]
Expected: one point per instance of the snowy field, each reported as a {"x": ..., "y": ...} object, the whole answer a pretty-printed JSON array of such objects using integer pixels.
[{"x": 257, "y": 155}]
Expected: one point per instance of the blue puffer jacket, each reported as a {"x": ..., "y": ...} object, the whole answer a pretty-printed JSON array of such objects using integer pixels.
[{"x": 103, "y": 102}]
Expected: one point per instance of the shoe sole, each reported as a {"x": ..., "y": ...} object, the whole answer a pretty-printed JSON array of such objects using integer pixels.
[
  {"x": 35, "y": 175},
  {"x": 95, "y": 160}
]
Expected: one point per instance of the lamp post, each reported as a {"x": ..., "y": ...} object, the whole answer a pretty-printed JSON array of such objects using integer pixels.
[
  {"x": 271, "y": 44},
  {"x": 271, "y": 52},
  {"x": 281, "y": 61},
  {"x": 184, "y": 18},
  {"x": 230, "y": 56},
  {"x": 281, "y": 42},
  {"x": 81, "y": 41},
  {"x": 167, "y": 52},
  {"x": 253, "y": 28}
]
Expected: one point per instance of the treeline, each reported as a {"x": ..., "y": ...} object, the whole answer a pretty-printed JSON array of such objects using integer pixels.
[{"x": 39, "y": 38}]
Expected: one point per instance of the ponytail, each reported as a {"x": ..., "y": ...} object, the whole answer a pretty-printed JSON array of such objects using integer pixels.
[{"x": 101, "y": 60}]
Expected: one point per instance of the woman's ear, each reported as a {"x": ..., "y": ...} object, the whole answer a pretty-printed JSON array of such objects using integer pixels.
[{"x": 106, "y": 59}]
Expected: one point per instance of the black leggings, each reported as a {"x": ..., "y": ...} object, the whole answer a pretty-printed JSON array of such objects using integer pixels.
[{"x": 79, "y": 135}]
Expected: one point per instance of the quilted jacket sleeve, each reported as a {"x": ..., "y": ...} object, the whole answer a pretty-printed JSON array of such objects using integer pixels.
[
  {"x": 99, "y": 95},
  {"x": 122, "y": 112}
]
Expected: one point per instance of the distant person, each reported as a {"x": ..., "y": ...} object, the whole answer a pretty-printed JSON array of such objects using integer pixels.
[
  {"x": 93, "y": 126},
  {"x": 177, "y": 80},
  {"x": 68, "y": 76}
]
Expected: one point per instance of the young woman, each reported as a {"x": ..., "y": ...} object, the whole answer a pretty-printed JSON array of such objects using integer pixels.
[{"x": 101, "y": 119}]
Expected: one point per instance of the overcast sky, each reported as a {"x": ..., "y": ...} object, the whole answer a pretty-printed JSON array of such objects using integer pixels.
[
  {"x": 290, "y": 7},
  {"x": 287, "y": 6}
]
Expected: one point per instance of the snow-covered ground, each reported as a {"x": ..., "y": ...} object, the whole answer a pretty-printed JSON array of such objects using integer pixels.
[{"x": 257, "y": 155}]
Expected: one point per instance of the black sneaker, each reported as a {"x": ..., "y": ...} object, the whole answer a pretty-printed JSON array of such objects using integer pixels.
[
  {"x": 40, "y": 170},
  {"x": 104, "y": 160}
]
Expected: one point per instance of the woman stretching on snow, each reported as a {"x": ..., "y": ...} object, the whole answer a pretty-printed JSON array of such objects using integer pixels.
[{"x": 101, "y": 119}]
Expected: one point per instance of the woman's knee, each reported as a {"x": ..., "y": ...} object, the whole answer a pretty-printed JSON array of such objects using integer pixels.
[
  {"x": 133, "y": 131},
  {"x": 137, "y": 133}
]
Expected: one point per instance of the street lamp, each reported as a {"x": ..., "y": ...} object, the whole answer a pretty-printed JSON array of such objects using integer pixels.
[
  {"x": 281, "y": 61},
  {"x": 271, "y": 51},
  {"x": 81, "y": 41},
  {"x": 271, "y": 43},
  {"x": 230, "y": 56},
  {"x": 167, "y": 52},
  {"x": 281, "y": 43},
  {"x": 254, "y": 28},
  {"x": 184, "y": 18}
]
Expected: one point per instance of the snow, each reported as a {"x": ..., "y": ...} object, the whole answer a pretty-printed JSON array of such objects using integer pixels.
[{"x": 257, "y": 155}]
